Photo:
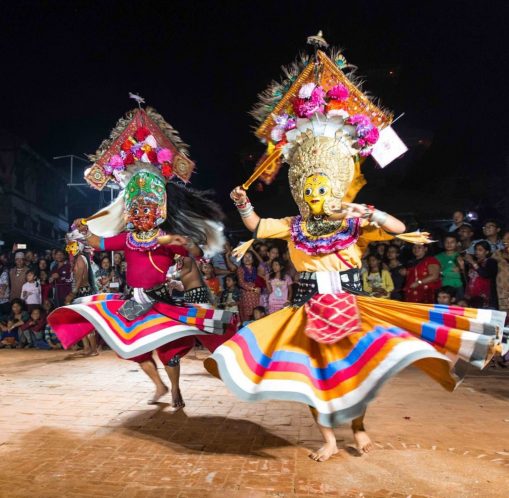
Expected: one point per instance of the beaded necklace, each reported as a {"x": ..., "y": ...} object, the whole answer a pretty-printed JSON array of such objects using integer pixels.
[
  {"x": 144, "y": 241},
  {"x": 310, "y": 236}
]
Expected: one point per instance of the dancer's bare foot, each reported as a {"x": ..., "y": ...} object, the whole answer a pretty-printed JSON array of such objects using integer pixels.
[
  {"x": 160, "y": 392},
  {"x": 324, "y": 453},
  {"x": 362, "y": 442},
  {"x": 177, "y": 401}
]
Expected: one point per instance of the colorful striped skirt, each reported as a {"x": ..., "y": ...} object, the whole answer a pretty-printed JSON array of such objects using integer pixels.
[
  {"x": 273, "y": 358},
  {"x": 162, "y": 324}
]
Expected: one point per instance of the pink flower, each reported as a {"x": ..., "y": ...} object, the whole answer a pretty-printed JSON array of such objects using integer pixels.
[
  {"x": 138, "y": 153},
  {"x": 116, "y": 161},
  {"x": 338, "y": 92},
  {"x": 359, "y": 120},
  {"x": 305, "y": 108},
  {"x": 164, "y": 155},
  {"x": 372, "y": 136}
]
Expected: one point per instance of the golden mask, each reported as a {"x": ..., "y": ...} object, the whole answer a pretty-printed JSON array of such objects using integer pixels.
[
  {"x": 317, "y": 189},
  {"x": 328, "y": 158}
]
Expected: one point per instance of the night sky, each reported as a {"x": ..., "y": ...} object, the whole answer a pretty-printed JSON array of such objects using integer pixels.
[{"x": 67, "y": 68}]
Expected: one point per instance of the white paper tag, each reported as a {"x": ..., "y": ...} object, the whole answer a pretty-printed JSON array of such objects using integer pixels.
[
  {"x": 328, "y": 282},
  {"x": 388, "y": 147}
]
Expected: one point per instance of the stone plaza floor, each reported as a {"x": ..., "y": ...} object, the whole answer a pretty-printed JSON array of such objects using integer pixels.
[{"x": 82, "y": 428}]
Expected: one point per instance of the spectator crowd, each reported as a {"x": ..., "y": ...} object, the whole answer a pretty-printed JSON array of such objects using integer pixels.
[{"x": 463, "y": 268}]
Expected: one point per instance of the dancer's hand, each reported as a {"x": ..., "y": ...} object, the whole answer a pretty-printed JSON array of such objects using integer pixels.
[
  {"x": 80, "y": 225},
  {"x": 238, "y": 195}
]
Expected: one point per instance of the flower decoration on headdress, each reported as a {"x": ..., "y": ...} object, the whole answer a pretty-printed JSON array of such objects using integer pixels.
[
  {"x": 143, "y": 147},
  {"x": 142, "y": 136}
]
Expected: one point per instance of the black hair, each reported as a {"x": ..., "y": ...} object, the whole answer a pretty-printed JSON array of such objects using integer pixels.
[
  {"x": 282, "y": 265},
  {"x": 188, "y": 211},
  {"x": 492, "y": 220},
  {"x": 484, "y": 244},
  {"x": 233, "y": 277},
  {"x": 19, "y": 301},
  {"x": 447, "y": 289},
  {"x": 255, "y": 260},
  {"x": 261, "y": 309},
  {"x": 451, "y": 235}
]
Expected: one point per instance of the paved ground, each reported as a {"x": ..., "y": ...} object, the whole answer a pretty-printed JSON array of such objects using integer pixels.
[{"x": 82, "y": 428}]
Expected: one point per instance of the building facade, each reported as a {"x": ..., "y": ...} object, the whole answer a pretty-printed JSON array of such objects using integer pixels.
[{"x": 33, "y": 197}]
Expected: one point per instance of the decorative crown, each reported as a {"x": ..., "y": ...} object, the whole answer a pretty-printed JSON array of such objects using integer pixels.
[{"x": 141, "y": 136}]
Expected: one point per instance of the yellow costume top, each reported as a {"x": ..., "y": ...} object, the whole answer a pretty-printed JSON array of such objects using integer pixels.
[{"x": 270, "y": 228}]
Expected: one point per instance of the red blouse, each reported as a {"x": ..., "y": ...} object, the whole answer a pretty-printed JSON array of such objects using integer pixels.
[{"x": 145, "y": 269}]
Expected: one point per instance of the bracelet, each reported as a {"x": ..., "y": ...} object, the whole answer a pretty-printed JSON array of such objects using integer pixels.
[
  {"x": 245, "y": 209},
  {"x": 378, "y": 217}
]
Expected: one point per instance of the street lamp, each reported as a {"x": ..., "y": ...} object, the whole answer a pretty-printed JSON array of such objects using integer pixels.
[{"x": 71, "y": 157}]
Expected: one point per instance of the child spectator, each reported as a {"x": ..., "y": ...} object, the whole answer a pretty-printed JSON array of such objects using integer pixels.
[
  {"x": 46, "y": 287},
  {"x": 250, "y": 288},
  {"x": 211, "y": 280},
  {"x": 231, "y": 294},
  {"x": 446, "y": 295},
  {"x": 51, "y": 339},
  {"x": 10, "y": 329},
  {"x": 279, "y": 286},
  {"x": 33, "y": 329},
  {"x": 449, "y": 268},
  {"x": 258, "y": 313},
  {"x": 375, "y": 281},
  {"x": 31, "y": 291},
  {"x": 397, "y": 271}
]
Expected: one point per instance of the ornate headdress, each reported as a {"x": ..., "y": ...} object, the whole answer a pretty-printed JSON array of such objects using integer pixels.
[
  {"x": 140, "y": 138},
  {"x": 318, "y": 121}
]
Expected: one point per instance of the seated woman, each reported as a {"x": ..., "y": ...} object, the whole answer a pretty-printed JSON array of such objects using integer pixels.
[{"x": 10, "y": 335}]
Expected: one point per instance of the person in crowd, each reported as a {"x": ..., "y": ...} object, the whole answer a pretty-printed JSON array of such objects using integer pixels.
[
  {"x": 51, "y": 339},
  {"x": 491, "y": 232},
  {"x": 33, "y": 329},
  {"x": 5, "y": 292},
  {"x": 502, "y": 258},
  {"x": 376, "y": 281},
  {"x": 380, "y": 250},
  {"x": 458, "y": 218},
  {"x": 265, "y": 258},
  {"x": 480, "y": 272},
  {"x": 119, "y": 267},
  {"x": 42, "y": 265},
  {"x": 47, "y": 306},
  {"x": 30, "y": 260},
  {"x": 230, "y": 297},
  {"x": 17, "y": 275},
  {"x": 423, "y": 277},
  {"x": 465, "y": 234},
  {"x": 31, "y": 291},
  {"x": 250, "y": 289},
  {"x": 446, "y": 295},
  {"x": 104, "y": 276},
  {"x": 61, "y": 278},
  {"x": 46, "y": 287},
  {"x": 449, "y": 268},
  {"x": 258, "y": 313},
  {"x": 10, "y": 328},
  {"x": 279, "y": 286},
  {"x": 53, "y": 263},
  {"x": 211, "y": 280},
  {"x": 463, "y": 303},
  {"x": 397, "y": 271}
]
